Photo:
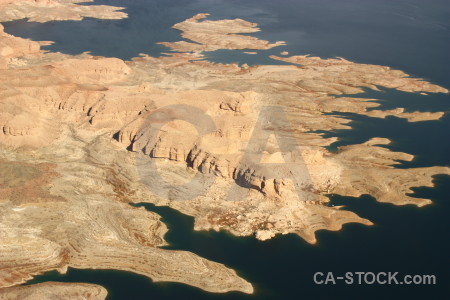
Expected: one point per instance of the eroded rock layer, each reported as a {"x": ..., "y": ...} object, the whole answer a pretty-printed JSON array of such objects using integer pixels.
[
  {"x": 215, "y": 35},
  {"x": 54, "y": 290},
  {"x": 82, "y": 219},
  {"x": 55, "y": 10},
  {"x": 237, "y": 147}
]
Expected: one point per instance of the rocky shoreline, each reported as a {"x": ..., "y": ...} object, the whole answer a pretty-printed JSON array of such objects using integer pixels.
[{"x": 83, "y": 136}]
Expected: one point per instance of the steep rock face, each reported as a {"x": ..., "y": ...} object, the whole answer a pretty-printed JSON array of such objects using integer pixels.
[
  {"x": 221, "y": 151},
  {"x": 83, "y": 136},
  {"x": 32, "y": 99},
  {"x": 81, "y": 219},
  {"x": 107, "y": 94}
]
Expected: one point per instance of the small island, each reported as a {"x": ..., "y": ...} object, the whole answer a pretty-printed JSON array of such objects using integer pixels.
[{"x": 83, "y": 136}]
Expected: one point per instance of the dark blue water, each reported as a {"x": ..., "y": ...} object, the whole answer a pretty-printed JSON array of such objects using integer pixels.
[
  {"x": 411, "y": 35},
  {"x": 406, "y": 239}
]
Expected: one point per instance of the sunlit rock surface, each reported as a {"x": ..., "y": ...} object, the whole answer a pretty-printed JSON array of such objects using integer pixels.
[{"x": 82, "y": 137}]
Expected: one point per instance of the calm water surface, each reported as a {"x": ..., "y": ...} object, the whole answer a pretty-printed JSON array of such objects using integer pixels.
[{"x": 411, "y": 35}]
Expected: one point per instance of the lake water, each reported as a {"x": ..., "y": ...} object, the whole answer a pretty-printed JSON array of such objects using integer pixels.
[{"x": 411, "y": 35}]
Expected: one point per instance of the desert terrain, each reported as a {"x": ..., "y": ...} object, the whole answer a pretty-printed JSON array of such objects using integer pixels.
[{"x": 237, "y": 147}]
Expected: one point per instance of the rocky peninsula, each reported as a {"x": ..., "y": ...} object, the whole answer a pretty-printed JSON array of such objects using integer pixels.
[{"x": 83, "y": 136}]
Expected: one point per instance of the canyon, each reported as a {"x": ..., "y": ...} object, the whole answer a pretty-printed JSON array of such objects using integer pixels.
[{"x": 240, "y": 148}]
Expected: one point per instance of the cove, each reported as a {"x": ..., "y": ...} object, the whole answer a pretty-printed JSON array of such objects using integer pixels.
[{"x": 406, "y": 239}]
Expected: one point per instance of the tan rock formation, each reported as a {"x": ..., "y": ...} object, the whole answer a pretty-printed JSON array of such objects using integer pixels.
[
  {"x": 56, "y": 10},
  {"x": 214, "y": 35},
  {"x": 82, "y": 136},
  {"x": 349, "y": 73},
  {"x": 384, "y": 182},
  {"x": 54, "y": 290},
  {"x": 81, "y": 221}
]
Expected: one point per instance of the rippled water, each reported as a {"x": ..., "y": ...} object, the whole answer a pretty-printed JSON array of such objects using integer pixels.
[{"x": 411, "y": 35}]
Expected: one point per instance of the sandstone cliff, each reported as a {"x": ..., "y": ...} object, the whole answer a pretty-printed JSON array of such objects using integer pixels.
[{"x": 237, "y": 147}]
